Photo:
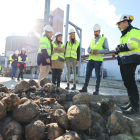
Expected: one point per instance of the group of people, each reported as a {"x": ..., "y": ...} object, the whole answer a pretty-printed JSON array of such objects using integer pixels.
[
  {"x": 18, "y": 59},
  {"x": 54, "y": 54}
]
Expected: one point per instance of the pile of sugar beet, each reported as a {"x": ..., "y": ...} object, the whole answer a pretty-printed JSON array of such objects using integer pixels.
[{"x": 31, "y": 113}]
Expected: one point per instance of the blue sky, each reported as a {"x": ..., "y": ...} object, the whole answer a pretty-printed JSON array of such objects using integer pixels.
[{"x": 17, "y": 15}]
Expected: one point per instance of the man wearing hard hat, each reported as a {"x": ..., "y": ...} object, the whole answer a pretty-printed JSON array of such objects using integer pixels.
[
  {"x": 98, "y": 47},
  {"x": 13, "y": 61},
  {"x": 128, "y": 58}
]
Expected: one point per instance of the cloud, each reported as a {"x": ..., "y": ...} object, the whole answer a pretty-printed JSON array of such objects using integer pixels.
[{"x": 102, "y": 10}]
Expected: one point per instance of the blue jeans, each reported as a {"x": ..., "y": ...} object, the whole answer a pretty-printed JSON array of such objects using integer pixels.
[
  {"x": 14, "y": 70},
  {"x": 90, "y": 66}
]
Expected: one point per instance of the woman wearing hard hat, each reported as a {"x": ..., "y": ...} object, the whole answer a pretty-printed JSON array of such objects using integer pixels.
[
  {"x": 72, "y": 55},
  {"x": 57, "y": 59},
  {"x": 22, "y": 63},
  {"x": 13, "y": 61},
  {"x": 44, "y": 52}
]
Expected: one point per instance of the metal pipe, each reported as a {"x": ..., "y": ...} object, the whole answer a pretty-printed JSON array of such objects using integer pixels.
[
  {"x": 66, "y": 36},
  {"x": 74, "y": 25},
  {"x": 77, "y": 32},
  {"x": 67, "y": 23},
  {"x": 46, "y": 12},
  {"x": 79, "y": 69}
]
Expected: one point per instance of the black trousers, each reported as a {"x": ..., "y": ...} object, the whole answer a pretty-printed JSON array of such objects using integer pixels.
[
  {"x": 128, "y": 76},
  {"x": 56, "y": 75},
  {"x": 21, "y": 67}
]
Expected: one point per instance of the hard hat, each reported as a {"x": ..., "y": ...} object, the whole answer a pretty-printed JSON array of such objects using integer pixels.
[
  {"x": 23, "y": 49},
  {"x": 16, "y": 52},
  {"x": 125, "y": 17},
  {"x": 48, "y": 28},
  {"x": 71, "y": 31},
  {"x": 96, "y": 27},
  {"x": 58, "y": 33}
]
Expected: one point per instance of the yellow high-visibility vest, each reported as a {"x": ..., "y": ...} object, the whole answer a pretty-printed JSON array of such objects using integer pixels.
[
  {"x": 71, "y": 50},
  {"x": 99, "y": 57},
  {"x": 55, "y": 55},
  {"x": 45, "y": 44}
]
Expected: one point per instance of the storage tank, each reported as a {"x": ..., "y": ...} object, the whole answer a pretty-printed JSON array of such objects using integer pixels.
[{"x": 14, "y": 43}]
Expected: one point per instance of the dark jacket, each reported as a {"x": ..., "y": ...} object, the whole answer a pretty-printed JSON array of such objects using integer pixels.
[
  {"x": 15, "y": 58},
  {"x": 23, "y": 57},
  {"x": 134, "y": 58},
  {"x": 41, "y": 57}
]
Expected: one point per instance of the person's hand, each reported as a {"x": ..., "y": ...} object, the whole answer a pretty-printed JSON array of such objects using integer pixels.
[
  {"x": 91, "y": 51},
  {"x": 77, "y": 62},
  {"x": 55, "y": 49},
  {"x": 116, "y": 51},
  {"x": 96, "y": 51},
  {"x": 48, "y": 60}
]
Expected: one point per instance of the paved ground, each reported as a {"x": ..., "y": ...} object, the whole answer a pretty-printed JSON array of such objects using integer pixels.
[
  {"x": 119, "y": 95},
  {"x": 103, "y": 90}
]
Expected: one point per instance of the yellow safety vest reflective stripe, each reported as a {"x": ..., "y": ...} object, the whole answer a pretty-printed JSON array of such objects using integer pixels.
[
  {"x": 55, "y": 55},
  {"x": 45, "y": 44},
  {"x": 99, "y": 57},
  {"x": 132, "y": 39},
  {"x": 71, "y": 50}
]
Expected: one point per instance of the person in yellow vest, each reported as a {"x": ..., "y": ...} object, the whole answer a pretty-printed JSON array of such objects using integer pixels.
[
  {"x": 22, "y": 59},
  {"x": 14, "y": 61},
  {"x": 72, "y": 54},
  {"x": 57, "y": 59},
  {"x": 98, "y": 47},
  {"x": 44, "y": 52},
  {"x": 128, "y": 58}
]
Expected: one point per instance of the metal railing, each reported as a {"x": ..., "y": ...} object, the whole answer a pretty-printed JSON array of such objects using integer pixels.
[{"x": 110, "y": 53}]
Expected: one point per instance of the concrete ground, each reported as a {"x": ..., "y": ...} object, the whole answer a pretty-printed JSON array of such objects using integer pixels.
[
  {"x": 103, "y": 90},
  {"x": 119, "y": 95}
]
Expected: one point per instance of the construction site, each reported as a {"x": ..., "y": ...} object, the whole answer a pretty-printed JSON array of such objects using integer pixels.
[{"x": 32, "y": 112}]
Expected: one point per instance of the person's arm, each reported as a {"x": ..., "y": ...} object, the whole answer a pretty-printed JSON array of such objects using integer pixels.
[
  {"x": 61, "y": 49},
  {"x": 26, "y": 58},
  {"x": 88, "y": 50},
  {"x": 105, "y": 46},
  {"x": 132, "y": 42},
  {"x": 44, "y": 46},
  {"x": 78, "y": 53},
  {"x": 45, "y": 54},
  {"x": 10, "y": 58}
]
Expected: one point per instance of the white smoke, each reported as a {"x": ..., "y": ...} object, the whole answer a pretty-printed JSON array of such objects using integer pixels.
[{"x": 102, "y": 10}]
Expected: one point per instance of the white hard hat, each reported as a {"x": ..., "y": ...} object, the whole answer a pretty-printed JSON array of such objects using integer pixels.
[
  {"x": 48, "y": 28},
  {"x": 58, "y": 33},
  {"x": 23, "y": 49},
  {"x": 96, "y": 27},
  {"x": 71, "y": 31},
  {"x": 16, "y": 52},
  {"x": 125, "y": 17}
]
